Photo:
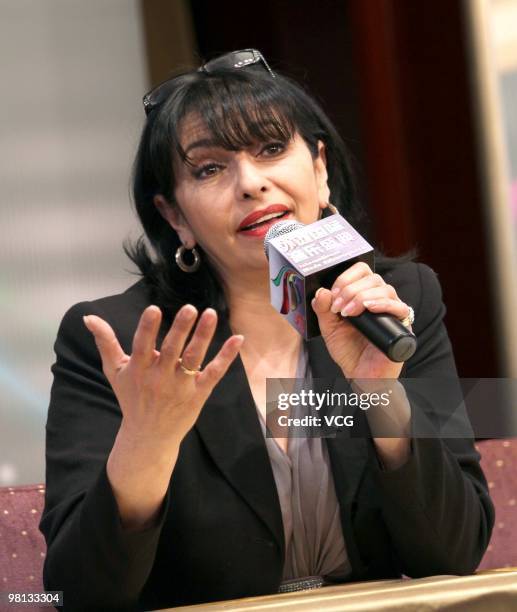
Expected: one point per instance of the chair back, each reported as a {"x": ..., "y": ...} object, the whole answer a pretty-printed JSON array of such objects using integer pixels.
[
  {"x": 22, "y": 546},
  {"x": 499, "y": 463}
]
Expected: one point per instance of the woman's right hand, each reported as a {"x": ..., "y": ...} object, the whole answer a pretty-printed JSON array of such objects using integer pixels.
[{"x": 160, "y": 402}]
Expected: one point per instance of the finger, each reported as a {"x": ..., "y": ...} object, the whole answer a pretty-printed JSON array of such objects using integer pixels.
[
  {"x": 354, "y": 273},
  {"x": 144, "y": 340},
  {"x": 322, "y": 301},
  {"x": 355, "y": 306},
  {"x": 389, "y": 306},
  {"x": 216, "y": 369},
  {"x": 327, "y": 320},
  {"x": 195, "y": 351},
  {"x": 112, "y": 355},
  {"x": 174, "y": 341},
  {"x": 350, "y": 291}
]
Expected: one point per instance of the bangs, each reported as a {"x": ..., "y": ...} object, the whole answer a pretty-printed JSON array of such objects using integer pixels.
[{"x": 238, "y": 113}]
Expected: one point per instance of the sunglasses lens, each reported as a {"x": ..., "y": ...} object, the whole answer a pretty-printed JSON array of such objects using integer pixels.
[{"x": 237, "y": 59}]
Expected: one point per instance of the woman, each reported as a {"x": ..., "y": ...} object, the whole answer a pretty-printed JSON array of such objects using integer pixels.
[{"x": 161, "y": 486}]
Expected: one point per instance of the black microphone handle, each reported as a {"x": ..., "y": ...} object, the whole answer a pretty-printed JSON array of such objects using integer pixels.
[{"x": 387, "y": 333}]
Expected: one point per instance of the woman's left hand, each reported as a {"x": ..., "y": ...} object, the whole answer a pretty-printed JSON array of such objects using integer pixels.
[{"x": 355, "y": 290}]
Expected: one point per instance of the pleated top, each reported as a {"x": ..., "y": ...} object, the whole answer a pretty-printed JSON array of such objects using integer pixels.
[{"x": 314, "y": 542}]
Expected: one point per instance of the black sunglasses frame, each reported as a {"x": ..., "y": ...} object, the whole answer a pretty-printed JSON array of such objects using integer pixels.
[{"x": 233, "y": 60}]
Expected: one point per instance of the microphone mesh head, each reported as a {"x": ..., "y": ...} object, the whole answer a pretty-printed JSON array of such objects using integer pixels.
[{"x": 279, "y": 229}]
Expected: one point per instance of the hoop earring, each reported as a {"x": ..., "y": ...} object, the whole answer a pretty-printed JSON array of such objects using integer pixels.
[{"x": 182, "y": 265}]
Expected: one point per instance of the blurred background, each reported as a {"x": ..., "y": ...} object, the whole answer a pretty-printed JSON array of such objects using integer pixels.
[{"x": 424, "y": 93}]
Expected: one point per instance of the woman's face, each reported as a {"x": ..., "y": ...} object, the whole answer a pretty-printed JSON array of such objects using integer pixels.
[{"x": 227, "y": 200}]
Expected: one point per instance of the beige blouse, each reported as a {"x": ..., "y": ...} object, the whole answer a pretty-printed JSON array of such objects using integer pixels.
[{"x": 314, "y": 540}]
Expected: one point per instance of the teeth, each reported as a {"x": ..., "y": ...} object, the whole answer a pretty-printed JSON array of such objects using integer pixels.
[{"x": 266, "y": 218}]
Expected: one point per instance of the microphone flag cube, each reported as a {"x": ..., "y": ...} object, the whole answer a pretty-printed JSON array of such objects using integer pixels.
[{"x": 303, "y": 258}]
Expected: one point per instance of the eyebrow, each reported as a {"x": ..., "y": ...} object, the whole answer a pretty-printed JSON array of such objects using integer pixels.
[{"x": 203, "y": 142}]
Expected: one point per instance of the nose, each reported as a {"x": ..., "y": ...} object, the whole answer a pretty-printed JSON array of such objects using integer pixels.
[{"x": 251, "y": 182}]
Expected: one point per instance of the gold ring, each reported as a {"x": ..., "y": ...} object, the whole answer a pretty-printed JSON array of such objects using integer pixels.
[
  {"x": 188, "y": 371},
  {"x": 408, "y": 320}
]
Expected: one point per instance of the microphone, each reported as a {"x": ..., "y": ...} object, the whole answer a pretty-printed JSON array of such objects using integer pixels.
[{"x": 303, "y": 258}]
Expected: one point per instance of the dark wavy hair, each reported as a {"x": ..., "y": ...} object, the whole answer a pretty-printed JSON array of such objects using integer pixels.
[{"x": 239, "y": 107}]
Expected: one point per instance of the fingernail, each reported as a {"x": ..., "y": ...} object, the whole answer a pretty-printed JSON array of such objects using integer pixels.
[
  {"x": 336, "y": 290},
  {"x": 317, "y": 292},
  {"x": 370, "y": 303},
  {"x": 336, "y": 305},
  {"x": 188, "y": 311},
  {"x": 348, "y": 309},
  {"x": 150, "y": 312},
  {"x": 86, "y": 321}
]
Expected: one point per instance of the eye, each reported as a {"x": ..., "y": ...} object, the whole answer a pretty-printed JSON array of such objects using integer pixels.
[
  {"x": 273, "y": 148},
  {"x": 206, "y": 171}
]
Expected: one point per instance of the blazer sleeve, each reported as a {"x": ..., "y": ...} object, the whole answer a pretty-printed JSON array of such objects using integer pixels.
[
  {"x": 97, "y": 564},
  {"x": 436, "y": 506}
]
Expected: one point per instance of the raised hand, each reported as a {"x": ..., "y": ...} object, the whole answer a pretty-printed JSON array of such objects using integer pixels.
[{"x": 158, "y": 398}]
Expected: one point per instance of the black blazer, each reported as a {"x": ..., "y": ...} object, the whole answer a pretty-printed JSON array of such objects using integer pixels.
[{"x": 220, "y": 533}]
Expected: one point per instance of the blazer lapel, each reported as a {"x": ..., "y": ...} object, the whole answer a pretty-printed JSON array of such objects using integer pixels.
[{"x": 230, "y": 430}]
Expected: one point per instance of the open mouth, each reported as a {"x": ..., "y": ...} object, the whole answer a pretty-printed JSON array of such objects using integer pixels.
[{"x": 263, "y": 221}]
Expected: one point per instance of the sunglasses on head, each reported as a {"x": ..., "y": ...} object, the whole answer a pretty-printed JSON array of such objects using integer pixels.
[{"x": 234, "y": 60}]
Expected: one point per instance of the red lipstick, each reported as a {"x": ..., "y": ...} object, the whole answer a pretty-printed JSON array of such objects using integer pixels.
[{"x": 254, "y": 217}]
